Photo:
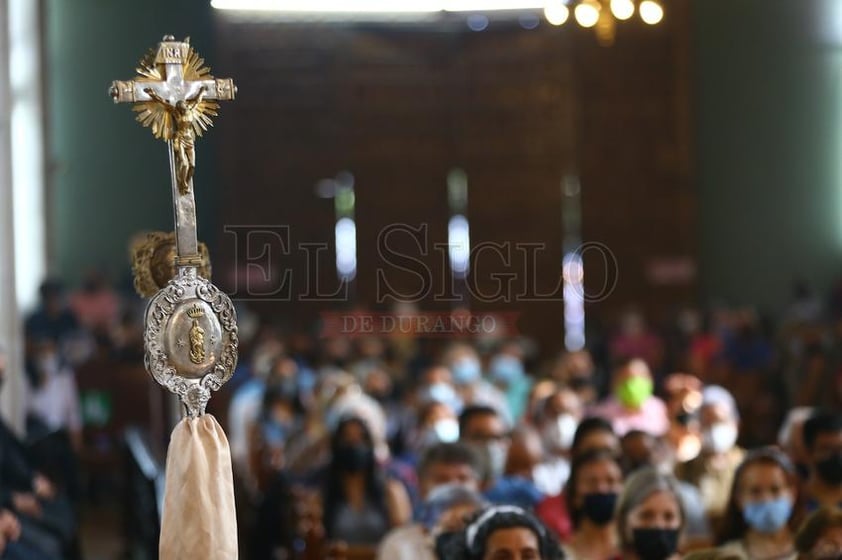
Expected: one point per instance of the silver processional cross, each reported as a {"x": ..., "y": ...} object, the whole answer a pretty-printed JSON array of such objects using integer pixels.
[{"x": 190, "y": 334}]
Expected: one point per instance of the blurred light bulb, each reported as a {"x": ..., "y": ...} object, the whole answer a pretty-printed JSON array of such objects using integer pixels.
[
  {"x": 587, "y": 13},
  {"x": 651, "y": 12},
  {"x": 556, "y": 12},
  {"x": 622, "y": 9}
]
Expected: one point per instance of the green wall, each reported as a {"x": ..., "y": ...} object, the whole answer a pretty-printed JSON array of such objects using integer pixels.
[
  {"x": 109, "y": 177},
  {"x": 768, "y": 95}
]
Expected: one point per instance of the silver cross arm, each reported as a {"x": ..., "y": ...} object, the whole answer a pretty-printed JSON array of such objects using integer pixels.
[{"x": 171, "y": 90}]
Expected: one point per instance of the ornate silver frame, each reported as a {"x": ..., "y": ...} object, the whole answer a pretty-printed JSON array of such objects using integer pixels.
[{"x": 187, "y": 305}]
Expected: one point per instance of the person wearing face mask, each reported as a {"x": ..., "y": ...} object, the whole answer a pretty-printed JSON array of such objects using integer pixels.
[
  {"x": 642, "y": 450},
  {"x": 360, "y": 505},
  {"x": 448, "y": 477},
  {"x": 508, "y": 374},
  {"x": 712, "y": 472},
  {"x": 683, "y": 394},
  {"x": 592, "y": 434},
  {"x": 557, "y": 418},
  {"x": 278, "y": 419},
  {"x": 650, "y": 517},
  {"x": 517, "y": 486},
  {"x": 823, "y": 444},
  {"x": 53, "y": 397},
  {"x": 761, "y": 508},
  {"x": 591, "y": 494},
  {"x": 450, "y": 526},
  {"x": 436, "y": 424},
  {"x": 576, "y": 371},
  {"x": 437, "y": 386},
  {"x": 633, "y": 405},
  {"x": 473, "y": 389},
  {"x": 483, "y": 428}
]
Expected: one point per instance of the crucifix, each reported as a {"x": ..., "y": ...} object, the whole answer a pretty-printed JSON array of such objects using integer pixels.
[
  {"x": 190, "y": 334},
  {"x": 175, "y": 96}
]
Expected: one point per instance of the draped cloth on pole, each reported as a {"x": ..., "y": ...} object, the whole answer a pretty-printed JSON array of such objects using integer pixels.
[{"x": 199, "y": 519}]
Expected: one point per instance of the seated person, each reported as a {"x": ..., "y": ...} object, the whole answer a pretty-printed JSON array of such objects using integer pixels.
[
  {"x": 517, "y": 485},
  {"x": 820, "y": 536},
  {"x": 46, "y": 518},
  {"x": 360, "y": 505},
  {"x": 644, "y": 450},
  {"x": 649, "y": 517},
  {"x": 484, "y": 428},
  {"x": 436, "y": 424},
  {"x": 823, "y": 444},
  {"x": 557, "y": 418},
  {"x": 596, "y": 481},
  {"x": 758, "y": 521},
  {"x": 592, "y": 434},
  {"x": 443, "y": 467},
  {"x": 502, "y": 532},
  {"x": 712, "y": 471},
  {"x": 632, "y": 405}
]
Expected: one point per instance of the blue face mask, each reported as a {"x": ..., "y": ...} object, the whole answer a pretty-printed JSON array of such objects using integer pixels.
[
  {"x": 768, "y": 517},
  {"x": 275, "y": 433},
  {"x": 466, "y": 371},
  {"x": 445, "y": 394},
  {"x": 506, "y": 369}
]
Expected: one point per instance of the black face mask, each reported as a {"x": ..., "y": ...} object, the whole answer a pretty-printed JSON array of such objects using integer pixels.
[
  {"x": 599, "y": 508},
  {"x": 445, "y": 542},
  {"x": 684, "y": 418},
  {"x": 830, "y": 469},
  {"x": 579, "y": 383},
  {"x": 354, "y": 458},
  {"x": 655, "y": 544},
  {"x": 802, "y": 470}
]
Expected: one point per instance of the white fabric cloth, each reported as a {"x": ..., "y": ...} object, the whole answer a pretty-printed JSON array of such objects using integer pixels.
[
  {"x": 199, "y": 520},
  {"x": 406, "y": 543}
]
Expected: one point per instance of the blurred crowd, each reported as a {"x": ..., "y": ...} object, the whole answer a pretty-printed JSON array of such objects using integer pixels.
[{"x": 713, "y": 434}]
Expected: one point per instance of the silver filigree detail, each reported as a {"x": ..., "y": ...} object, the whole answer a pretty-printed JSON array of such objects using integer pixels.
[{"x": 194, "y": 388}]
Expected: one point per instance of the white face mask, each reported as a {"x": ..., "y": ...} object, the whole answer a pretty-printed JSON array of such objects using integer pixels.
[
  {"x": 446, "y": 430},
  {"x": 439, "y": 491},
  {"x": 558, "y": 434},
  {"x": 497, "y": 454},
  {"x": 720, "y": 437}
]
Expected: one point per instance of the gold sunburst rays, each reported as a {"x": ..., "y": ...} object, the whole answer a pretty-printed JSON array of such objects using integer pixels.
[{"x": 159, "y": 117}]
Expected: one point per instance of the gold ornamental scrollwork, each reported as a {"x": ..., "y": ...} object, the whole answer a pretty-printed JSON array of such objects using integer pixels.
[{"x": 154, "y": 262}]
